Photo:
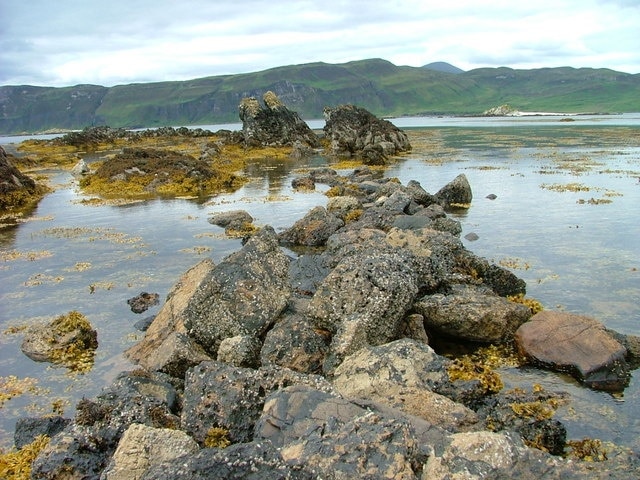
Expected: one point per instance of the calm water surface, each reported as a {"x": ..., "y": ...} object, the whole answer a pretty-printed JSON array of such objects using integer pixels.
[{"x": 566, "y": 219}]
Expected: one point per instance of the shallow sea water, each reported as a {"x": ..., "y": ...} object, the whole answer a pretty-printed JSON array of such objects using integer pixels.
[{"x": 575, "y": 255}]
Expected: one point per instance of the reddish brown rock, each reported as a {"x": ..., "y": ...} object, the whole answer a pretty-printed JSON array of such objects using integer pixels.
[{"x": 576, "y": 344}]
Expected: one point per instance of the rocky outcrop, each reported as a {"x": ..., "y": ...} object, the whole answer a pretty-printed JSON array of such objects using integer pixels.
[
  {"x": 273, "y": 124},
  {"x": 17, "y": 190},
  {"x": 353, "y": 131},
  {"x": 576, "y": 344}
]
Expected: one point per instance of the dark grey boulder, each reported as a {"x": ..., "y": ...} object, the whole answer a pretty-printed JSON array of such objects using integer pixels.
[
  {"x": 293, "y": 343},
  {"x": 313, "y": 229},
  {"x": 243, "y": 295},
  {"x": 28, "y": 428},
  {"x": 473, "y": 314},
  {"x": 339, "y": 439},
  {"x": 143, "y": 301},
  {"x": 576, "y": 344},
  {"x": 353, "y": 130},
  {"x": 243, "y": 461},
  {"x": 456, "y": 193}
]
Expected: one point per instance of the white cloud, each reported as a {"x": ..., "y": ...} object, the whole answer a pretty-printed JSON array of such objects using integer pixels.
[{"x": 123, "y": 41}]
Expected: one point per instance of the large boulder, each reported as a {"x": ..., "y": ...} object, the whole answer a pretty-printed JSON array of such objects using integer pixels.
[
  {"x": 142, "y": 447},
  {"x": 364, "y": 300},
  {"x": 402, "y": 375},
  {"x": 273, "y": 124},
  {"x": 338, "y": 439},
  {"x": 243, "y": 295},
  {"x": 576, "y": 344},
  {"x": 472, "y": 313},
  {"x": 293, "y": 343},
  {"x": 313, "y": 229},
  {"x": 243, "y": 461},
  {"x": 353, "y": 131},
  {"x": 166, "y": 347},
  {"x": 456, "y": 193}
]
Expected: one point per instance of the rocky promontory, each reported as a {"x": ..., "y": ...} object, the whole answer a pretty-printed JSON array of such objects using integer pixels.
[{"x": 324, "y": 364}]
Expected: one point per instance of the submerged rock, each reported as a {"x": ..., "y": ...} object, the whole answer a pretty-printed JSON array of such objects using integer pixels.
[
  {"x": 142, "y": 302},
  {"x": 576, "y": 344}
]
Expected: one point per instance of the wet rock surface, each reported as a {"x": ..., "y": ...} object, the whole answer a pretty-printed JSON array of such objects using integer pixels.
[{"x": 576, "y": 344}]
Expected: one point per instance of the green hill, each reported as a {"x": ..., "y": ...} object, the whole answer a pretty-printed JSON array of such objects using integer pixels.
[{"x": 377, "y": 85}]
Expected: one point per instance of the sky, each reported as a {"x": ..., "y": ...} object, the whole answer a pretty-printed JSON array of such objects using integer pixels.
[{"x": 112, "y": 42}]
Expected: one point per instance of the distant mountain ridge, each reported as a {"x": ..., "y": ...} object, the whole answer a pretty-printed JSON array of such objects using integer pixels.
[
  {"x": 375, "y": 84},
  {"x": 443, "y": 67}
]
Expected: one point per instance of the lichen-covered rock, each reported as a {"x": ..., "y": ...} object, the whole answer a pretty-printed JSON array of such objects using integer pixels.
[
  {"x": 480, "y": 455},
  {"x": 243, "y": 295},
  {"x": 143, "y": 447},
  {"x": 293, "y": 343},
  {"x": 166, "y": 347},
  {"x": 353, "y": 130},
  {"x": 219, "y": 395},
  {"x": 576, "y": 344},
  {"x": 313, "y": 229},
  {"x": 402, "y": 374},
  {"x": 472, "y": 313},
  {"x": 243, "y": 461},
  {"x": 364, "y": 299},
  {"x": 240, "y": 351},
  {"x": 274, "y": 124},
  {"x": 336, "y": 438}
]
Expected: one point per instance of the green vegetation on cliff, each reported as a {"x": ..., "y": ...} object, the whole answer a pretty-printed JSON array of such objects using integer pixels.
[{"x": 377, "y": 85}]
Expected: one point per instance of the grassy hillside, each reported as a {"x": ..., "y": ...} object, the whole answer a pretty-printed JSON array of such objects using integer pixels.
[{"x": 378, "y": 85}]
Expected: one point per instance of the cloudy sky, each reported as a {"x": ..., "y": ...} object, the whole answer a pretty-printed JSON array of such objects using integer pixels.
[{"x": 109, "y": 42}]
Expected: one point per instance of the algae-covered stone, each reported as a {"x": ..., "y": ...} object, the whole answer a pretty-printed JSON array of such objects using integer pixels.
[{"x": 69, "y": 340}]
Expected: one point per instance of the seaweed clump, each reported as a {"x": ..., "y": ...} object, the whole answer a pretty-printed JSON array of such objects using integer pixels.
[
  {"x": 16, "y": 465},
  {"x": 146, "y": 172},
  {"x": 217, "y": 438}
]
